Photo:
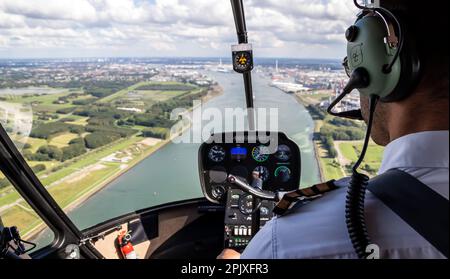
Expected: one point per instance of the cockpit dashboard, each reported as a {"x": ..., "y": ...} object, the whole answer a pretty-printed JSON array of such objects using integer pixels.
[{"x": 268, "y": 161}]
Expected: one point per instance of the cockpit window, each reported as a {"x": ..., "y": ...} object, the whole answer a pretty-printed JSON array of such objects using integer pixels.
[{"x": 102, "y": 99}]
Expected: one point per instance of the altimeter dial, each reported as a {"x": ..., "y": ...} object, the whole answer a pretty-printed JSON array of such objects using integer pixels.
[{"x": 216, "y": 154}]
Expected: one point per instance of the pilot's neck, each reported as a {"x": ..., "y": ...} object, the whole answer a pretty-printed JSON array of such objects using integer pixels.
[{"x": 414, "y": 117}]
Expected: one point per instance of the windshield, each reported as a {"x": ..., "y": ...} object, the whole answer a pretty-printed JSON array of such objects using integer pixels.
[{"x": 101, "y": 97}]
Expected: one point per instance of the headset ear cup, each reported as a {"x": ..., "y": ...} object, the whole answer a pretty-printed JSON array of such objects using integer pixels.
[{"x": 410, "y": 71}]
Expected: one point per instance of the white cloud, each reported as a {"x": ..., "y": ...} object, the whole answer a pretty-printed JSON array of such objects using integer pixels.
[
  {"x": 170, "y": 27},
  {"x": 51, "y": 9}
]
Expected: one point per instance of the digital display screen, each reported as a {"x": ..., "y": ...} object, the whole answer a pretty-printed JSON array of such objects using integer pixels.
[{"x": 238, "y": 153}]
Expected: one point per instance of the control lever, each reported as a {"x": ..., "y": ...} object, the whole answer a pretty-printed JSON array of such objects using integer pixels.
[{"x": 264, "y": 195}]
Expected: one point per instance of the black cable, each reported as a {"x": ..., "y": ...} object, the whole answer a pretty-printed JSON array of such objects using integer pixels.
[
  {"x": 33, "y": 245},
  {"x": 372, "y": 105},
  {"x": 354, "y": 202}
]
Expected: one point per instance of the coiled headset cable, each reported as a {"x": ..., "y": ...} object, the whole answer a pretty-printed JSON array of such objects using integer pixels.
[{"x": 354, "y": 201}]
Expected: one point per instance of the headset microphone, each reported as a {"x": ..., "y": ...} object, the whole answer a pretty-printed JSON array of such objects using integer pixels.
[{"x": 358, "y": 79}]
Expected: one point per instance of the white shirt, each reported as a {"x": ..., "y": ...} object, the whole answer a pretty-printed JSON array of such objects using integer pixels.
[{"x": 318, "y": 229}]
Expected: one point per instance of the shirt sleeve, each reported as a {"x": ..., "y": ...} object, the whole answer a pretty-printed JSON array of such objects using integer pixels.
[{"x": 262, "y": 246}]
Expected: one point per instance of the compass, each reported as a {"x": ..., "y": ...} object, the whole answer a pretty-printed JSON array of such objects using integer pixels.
[{"x": 242, "y": 58}]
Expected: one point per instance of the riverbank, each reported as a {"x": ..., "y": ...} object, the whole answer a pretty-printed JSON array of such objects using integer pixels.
[
  {"x": 327, "y": 170},
  {"x": 102, "y": 183},
  {"x": 346, "y": 152}
]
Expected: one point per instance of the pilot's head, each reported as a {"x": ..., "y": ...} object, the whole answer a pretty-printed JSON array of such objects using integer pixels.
[{"x": 426, "y": 108}]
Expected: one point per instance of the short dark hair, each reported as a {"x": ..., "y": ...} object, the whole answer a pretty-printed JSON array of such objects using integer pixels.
[{"x": 428, "y": 22}]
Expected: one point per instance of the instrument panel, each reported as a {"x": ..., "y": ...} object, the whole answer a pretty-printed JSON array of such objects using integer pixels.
[
  {"x": 270, "y": 162},
  {"x": 248, "y": 157}
]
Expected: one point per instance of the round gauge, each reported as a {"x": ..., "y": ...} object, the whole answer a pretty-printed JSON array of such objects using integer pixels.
[
  {"x": 264, "y": 210},
  {"x": 283, "y": 153},
  {"x": 263, "y": 173},
  {"x": 242, "y": 61},
  {"x": 246, "y": 204},
  {"x": 283, "y": 173},
  {"x": 216, "y": 154},
  {"x": 260, "y": 153},
  {"x": 217, "y": 192}
]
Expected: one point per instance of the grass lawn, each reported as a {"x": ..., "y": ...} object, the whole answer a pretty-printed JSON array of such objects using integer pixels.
[
  {"x": 42, "y": 99},
  {"x": 51, "y": 108},
  {"x": 78, "y": 120},
  {"x": 21, "y": 216},
  {"x": 331, "y": 169},
  {"x": 352, "y": 150},
  {"x": 9, "y": 198},
  {"x": 374, "y": 154},
  {"x": 67, "y": 191},
  {"x": 122, "y": 92},
  {"x": 43, "y": 102},
  {"x": 149, "y": 95},
  {"x": 328, "y": 166},
  {"x": 48, "y": 164},
  {"x": 34, "y": 142},
  {"x": 63, "y": 139},
  {"x": 159, "y": 96}
]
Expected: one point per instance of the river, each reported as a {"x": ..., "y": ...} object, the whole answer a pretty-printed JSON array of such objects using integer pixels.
[{"x": 170, "y": 174}]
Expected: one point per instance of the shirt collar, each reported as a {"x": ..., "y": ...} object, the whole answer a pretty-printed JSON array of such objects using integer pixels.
[{"x": 419, "y": 150}]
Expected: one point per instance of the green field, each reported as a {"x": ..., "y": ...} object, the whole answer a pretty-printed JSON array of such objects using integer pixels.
[
  {"x": 141, "y": 98},
  {"x": 158, "y": 96},
  {"x": 42, "y": 103},
  {"x": 62, "y": 140},
  {"x": 331, "y": 169},
  {"x": 44, "y": 99},
  {"x": 78, "y": 120},
  {"x": 121, "y": 93},
  {"x": 352, "y": 150},
  {"x": 24, "y": 219},
  {"x": 35, "y": 143}
]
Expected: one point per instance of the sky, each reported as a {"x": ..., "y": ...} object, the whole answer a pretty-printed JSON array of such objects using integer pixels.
[{"x": 171, "y": 28}]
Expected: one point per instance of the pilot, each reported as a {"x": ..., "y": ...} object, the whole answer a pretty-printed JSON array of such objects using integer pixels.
[{"x": 415, "y": 134}]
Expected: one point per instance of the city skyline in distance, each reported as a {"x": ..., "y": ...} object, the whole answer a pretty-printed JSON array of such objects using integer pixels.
[{"x": 183, "y": 59}]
